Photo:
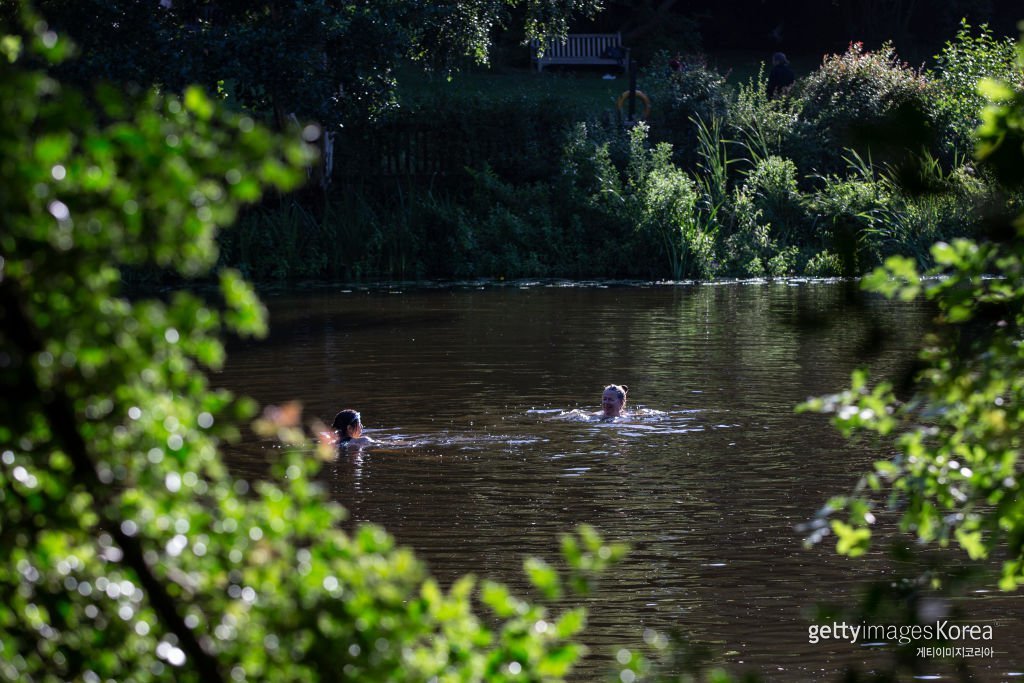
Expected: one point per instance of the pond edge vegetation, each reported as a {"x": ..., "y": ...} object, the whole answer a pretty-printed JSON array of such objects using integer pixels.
[
  {"x": 865, "y": 158},
  {"x": 130, "y": 552}
]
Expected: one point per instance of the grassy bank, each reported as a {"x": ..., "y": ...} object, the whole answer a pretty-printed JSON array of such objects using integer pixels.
[{"x": 510, "y": 173}]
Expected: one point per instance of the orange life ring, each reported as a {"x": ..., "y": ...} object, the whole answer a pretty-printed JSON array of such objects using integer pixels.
[{"x": 640, "y": 96}]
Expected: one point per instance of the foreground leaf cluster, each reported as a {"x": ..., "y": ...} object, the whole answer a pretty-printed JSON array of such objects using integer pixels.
[
  {"x": 956, "y": 474},
  {"x": 127, "y": 551}
]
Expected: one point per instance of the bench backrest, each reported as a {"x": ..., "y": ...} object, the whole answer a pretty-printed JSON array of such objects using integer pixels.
[{"x": 579, "y": 45}]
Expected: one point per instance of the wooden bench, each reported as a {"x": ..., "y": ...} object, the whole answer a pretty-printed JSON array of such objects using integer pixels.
[{"x": 583, "y": 48}]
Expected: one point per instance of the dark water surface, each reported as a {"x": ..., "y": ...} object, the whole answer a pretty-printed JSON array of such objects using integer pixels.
[{"x": 472, "y": 390}]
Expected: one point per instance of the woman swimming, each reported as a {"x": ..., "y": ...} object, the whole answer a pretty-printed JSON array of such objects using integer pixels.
[
  {"x": 349, "y": 428},
  {"x": 613, "y": 401}
]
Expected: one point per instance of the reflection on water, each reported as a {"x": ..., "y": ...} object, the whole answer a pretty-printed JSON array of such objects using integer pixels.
[{"x": 483, "y": 402}]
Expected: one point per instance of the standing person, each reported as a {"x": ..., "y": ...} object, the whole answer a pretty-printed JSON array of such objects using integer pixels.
[
  {"x": 613, "y": 401},
  {"x": 781, "y": 77},
  {"x": 349, "y": 428}
]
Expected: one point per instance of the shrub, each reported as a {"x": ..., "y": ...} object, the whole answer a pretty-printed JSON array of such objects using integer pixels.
[
  {"x": 843, "y": 210},
  {"x": 680, "y": 97},
  {"x": 276, "y": 244},
  {"x": 764, "y": 127},
  {"x": 664, "y": 198},
  {"x": 853, "y": 95},
  {"x": 750, "y": 243},
  {"x": 824, "y": 264},
  {"x": 963, "y": 62},
  {"x": 772, "y": 184},
  {"x": 909, "y": 224},
  {"x": 584, "y": 223},
  {"x": 768, "y": 220}
]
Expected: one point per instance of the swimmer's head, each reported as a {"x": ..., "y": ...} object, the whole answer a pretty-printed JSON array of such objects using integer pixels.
[
  {"x": 779, "y": 58},
  {"x": 347, "y": 424},
  {"x": 613, "y": 400}
]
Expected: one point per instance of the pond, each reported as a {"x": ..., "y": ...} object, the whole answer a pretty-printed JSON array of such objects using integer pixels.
[{"x": 477, "y": 393}]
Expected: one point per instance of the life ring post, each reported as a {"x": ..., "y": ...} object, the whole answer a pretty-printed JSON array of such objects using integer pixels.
[{"x": 631, "y": 96}]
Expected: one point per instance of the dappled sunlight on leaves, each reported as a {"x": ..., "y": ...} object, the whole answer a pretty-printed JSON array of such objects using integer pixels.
[
  {"x": 127, "y": 550},
  {"x": 954, "y": 475}
]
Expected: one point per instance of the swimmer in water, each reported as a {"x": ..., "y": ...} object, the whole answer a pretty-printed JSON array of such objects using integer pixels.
[
  {"x": 349, "y": 428},
  {"x": 613, "y": 401}
]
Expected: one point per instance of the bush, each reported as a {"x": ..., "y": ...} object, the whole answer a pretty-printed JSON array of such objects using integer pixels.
[
  {"x": 824, "y": 264},
  {"x": 910, "y": 223},
  {"x": 279, "y": 244},
  {"x": 843, "y": 210},
  {"x": 851, "y": 97},
  {"x": 584, "y": 223},
  {"x": 764, "y": 127},
  {"x": 768, "y": 220},
  {"x": 664, "y": 199},
  {"x": 963, "y": 62},
  {"x": 750, "y": 245},
  {"x": 772, "y": 184},
  {"x": 680, "y": 97}
]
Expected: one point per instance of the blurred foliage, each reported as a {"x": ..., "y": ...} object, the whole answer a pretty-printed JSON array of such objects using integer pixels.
[
  {"x": 955, "y": 477},
  {"x": 127, "y": 551}
]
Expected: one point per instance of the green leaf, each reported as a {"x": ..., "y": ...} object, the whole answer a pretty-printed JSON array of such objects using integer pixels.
[
  {"x": 10, "y": 47},
  {"x": 560, "y": 660},
  {"x": 54, "y": 148},
  {"x": 497, "y": 597},
  {"x": 571, "y": 623},
  {"x": 994, "y": 90},
  {"x": 543, "y": 577},
  {"x": 851, "y": 541},
  {"x": 944, "y": 254},
  {"x": 971, "y": 541},
  {"x": 198, "y": 103}
]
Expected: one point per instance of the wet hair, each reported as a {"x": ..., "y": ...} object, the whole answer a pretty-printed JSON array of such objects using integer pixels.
[
  {"x": 344, "y": 420},
  {"x": 620, "y": 390}
]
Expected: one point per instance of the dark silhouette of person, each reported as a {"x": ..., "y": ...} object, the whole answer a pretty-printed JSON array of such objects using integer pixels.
[{"x": 781, "y": 77}]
